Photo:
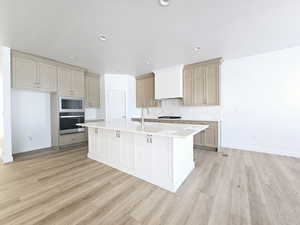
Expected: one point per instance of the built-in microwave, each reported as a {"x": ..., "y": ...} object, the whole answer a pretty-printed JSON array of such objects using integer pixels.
[{"x": 70, "y": 104}]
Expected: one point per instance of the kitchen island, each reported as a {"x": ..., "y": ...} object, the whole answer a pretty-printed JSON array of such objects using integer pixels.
[{"x": 159, "y": 153}]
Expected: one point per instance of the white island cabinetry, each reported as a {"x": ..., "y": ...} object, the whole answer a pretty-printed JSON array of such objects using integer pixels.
[{"x": 159, "y": 155}]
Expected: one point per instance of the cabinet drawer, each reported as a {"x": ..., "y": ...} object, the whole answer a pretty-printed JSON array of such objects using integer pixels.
[{"x": 68, "y": 139}]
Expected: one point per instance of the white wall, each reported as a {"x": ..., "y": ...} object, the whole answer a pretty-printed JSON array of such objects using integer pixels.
[
  {"x": 6, "y": 105},
  {"x": 1, "y": 105},
  {"x": 261, "y": 103},
  {"x": 31, "y": 124}
]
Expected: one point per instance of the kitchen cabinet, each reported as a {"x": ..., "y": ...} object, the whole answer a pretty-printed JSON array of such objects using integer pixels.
[
  {"x": 127, "y": 153},
  {"x": 143, "y": 159},
  {"x": 145, "y": 91},
  {"x": 92, "y": 90},
  {"x": 70, "y": 82},
  {"x": 68, "y": 139},
  {"x": 47, "y": 75},
  {"x": 42, "y": 74},
  {"x": 165, "y": 161},
  {"x": 24, "y": 73},
  {"x": 161, "y": 168},
  {"x": 208, "y": 137},
  {"x": 27, "y": 73},
  {"x": 113, "y": 147},
  {"x": 151, "y": 155},
  {"x": 201, "y": 83},
  {"x": 98, "y": 142}
]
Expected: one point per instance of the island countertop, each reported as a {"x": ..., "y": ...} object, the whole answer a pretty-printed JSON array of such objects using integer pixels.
[{"x": 158, "y": 129}]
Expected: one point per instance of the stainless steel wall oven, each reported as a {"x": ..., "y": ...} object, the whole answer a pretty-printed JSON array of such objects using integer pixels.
[{"x": 71, "y": 113}]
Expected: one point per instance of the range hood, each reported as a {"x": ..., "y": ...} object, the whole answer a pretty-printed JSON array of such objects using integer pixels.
[{"x": 169, "y": 82}]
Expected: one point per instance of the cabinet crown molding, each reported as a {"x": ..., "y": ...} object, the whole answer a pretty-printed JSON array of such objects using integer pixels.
[
  {"x": 210, "y": 61},
  {"x": 42, "y": 59}
]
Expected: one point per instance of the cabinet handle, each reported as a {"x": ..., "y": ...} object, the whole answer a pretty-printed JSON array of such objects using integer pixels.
[{"x": 149, "y": 139}]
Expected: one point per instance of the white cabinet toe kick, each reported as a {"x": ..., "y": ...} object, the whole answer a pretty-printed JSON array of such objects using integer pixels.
[{"x": 163, "y": 161}]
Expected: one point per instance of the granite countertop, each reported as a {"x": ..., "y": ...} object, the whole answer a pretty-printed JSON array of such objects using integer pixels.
[{"x": 155, "y": 129}]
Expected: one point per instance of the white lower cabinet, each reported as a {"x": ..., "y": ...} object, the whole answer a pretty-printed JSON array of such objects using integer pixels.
[
  {"x": 127, "y": 152},
  {"x": 154, "y": 159},
  {"x": 144, "y": 156},
  {"x": 101, "y": 145},
  {"x": 113, "y": 147},
  {"x": 162, "y": 161}
]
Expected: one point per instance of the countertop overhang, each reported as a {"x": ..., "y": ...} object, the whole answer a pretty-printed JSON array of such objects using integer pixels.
[{"x": 158, "y": 129}]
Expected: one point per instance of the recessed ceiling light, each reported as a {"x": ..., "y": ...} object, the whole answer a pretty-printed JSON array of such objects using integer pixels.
[
  {"x": 102, "y": 37},
  {"x": 164, "y": 2},
  {"x": 197, "y": 49}
]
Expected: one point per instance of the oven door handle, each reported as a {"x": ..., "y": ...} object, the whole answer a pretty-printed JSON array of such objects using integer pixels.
[{"x": 71, "y": 116}]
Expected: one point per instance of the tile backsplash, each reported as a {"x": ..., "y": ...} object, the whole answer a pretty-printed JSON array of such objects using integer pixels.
[{"x": 175, "y": 107}]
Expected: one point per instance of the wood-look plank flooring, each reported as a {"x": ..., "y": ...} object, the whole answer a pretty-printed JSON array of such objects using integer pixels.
[{"x": 231, "y": 187}]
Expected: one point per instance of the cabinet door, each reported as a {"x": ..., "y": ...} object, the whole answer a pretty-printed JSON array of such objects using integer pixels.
[
  {"x": 212, "y": 84},
  {"x": 47, "y": 76},
  {"x": 78, "y": 83},
  {"x": 140, "y": 96},
  {"x": 199, "y": 139},
  {"x": 199, "y": 86},
  {"x": 24, "y": 73},
  {"x": 65, "y": 82},
  {"x": 92, "y": 141},
  {"x": 149, "y": 92},
  {"x": 161, "y": 161},
  {"x": 113, "y": 147},
  {"x": 188, "y": 87},
  {"x": 211, "y": 135},
  {"x": 92, "y": 90},
  {"x": 100, "y": 145},
  {"x": 127, "y": 152},
  {"x": 143, "y": 157}
]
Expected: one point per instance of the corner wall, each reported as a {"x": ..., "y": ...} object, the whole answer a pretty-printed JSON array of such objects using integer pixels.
[
  {"x": 6, "y": 105},
  {"x": 261, "y": 103}
]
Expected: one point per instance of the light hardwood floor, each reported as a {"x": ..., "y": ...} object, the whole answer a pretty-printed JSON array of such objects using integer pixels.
[{"x": 67, "y": 188}]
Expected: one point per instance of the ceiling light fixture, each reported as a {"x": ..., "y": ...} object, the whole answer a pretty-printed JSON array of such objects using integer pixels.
[
  {"x": 164, "y": 2},
  {"x": 197, "y": 49},
  {"x": 102, "y": 37}
]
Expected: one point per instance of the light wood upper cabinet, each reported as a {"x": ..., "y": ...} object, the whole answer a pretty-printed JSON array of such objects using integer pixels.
[
  {"x": 92, "y": 90},
  {"x": 70, "y": 82},
  {"x": 30, "y": 74},
  {"x": 47, "y": 75},
  {"x": 24, "y": 73},
  {"x": 65, "y": 82},
  {"x": 42, "y": 74},
  {"x": 145, "y": 91},
  {"x": 78, "y": 83},
  {"x": 201, "y": 83}
]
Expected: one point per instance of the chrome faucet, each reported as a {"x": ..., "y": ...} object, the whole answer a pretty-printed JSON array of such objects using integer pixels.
[{"x": 142, "y": 118}]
